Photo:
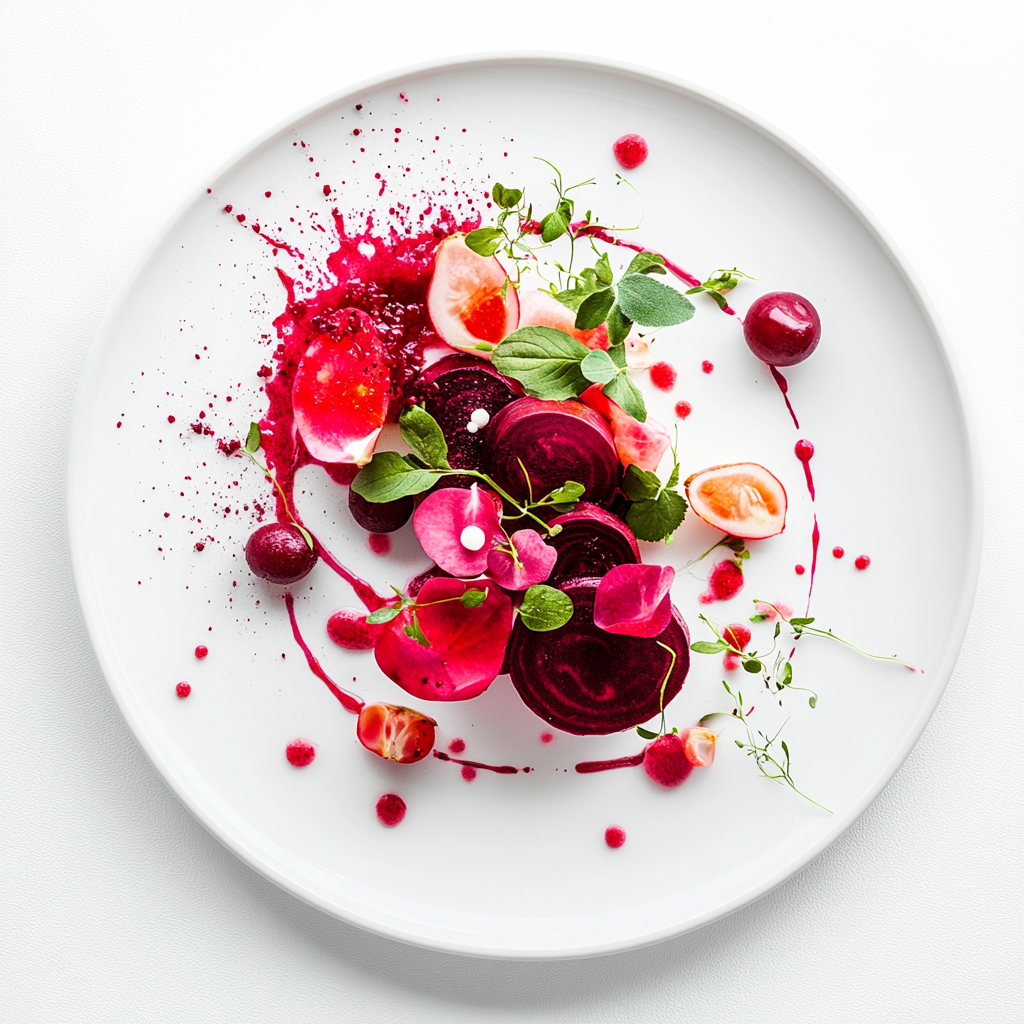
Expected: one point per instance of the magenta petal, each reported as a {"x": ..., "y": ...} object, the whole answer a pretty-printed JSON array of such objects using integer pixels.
[
  {"x": 634, "y": 600},
  {"x": 441, "y": 519},
  {"x": 537, "y": 560}
]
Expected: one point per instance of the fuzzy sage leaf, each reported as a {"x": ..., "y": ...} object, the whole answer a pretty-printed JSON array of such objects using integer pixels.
[
  {"x": 389, "y": 477},
  {"x": 423, "y": 435},
  {"x": 545, "y": 361}
]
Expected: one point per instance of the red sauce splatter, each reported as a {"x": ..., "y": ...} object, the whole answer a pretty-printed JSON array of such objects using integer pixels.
[
  {"x": 615, "y": 836},
  {"x": 457, "y": 746},
  {"x": 390, "y": 809},
  {"x": 349, "y": 629},
  {"x": 468, "y": 772},
  {"x": 546, "y": 737},
  {"x": 707, "y": 366},
  {"x": 380, "y": 543},
  {"x": 804, "y": 451},
  {"x": 683, "y": 409},
  {"x": 200, "y": 545},
  {"x": 300, "y": 752},
  {"x": 784, "y": 388},
  {"x": 663, "y": 376},
  {"x": 838, "y": 552},
  {"x": 170, "y": 419},
  {"x": 724, "y": 582},
  {"x": 630, "y": 151},
  {"x": 183, "y": 690},
  {"x": 202, "y": 651},
  {"x": 501, "y": 769},
  {"x": 799, "y": 570},
  {"x": 862, "y": 562},
  {"x": 587, "y": 767}
]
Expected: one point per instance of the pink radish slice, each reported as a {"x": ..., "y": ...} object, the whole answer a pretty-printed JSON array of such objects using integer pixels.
[
  {"x": 634, "y": 600},
  {"x": 641, "y": 444},
  {"x": 471, "y": 300},
  {"x": 457, "y": 528},
  {"x": 591, "y": 542},
  {"x": 533, "y": 563},
  {"x": 340, "y": 391},
  {"x": 542, "y": 309},
  {"x": 742, "y": 498},
  {"x": 586, "y": 681},
  {"x": 556, "y": 442}
]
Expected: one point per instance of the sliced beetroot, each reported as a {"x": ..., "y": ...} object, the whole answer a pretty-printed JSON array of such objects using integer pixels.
[
  {"x": 591, "y": 542},
  {"x": 556, "y": 442},
  {"x": 586, "y": 681},
  {"x": 380, "y": 516},
  {"x": 451, "y": 390}
]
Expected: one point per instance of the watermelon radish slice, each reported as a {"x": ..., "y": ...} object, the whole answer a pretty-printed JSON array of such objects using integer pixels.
[
  {"x": 640, "y": 444},
  {"x": 743, "y": 499},
  {"x": 556, "y": 442},
  {"x": 591, "y": 542},
  {"x": 586, "y": 681},
  {"x": 542, "y": 309},
  {"x": 340, "y": 392},
  {"x": 471, "y": 300}
]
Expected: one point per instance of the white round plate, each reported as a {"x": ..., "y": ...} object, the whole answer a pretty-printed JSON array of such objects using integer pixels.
[{"x": 516, "y": 866}]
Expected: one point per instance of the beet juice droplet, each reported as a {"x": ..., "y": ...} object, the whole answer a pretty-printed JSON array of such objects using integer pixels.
[
  {"x": 348, "y": 628},
  {"x": 683, "y": 409},
  {"x": 500, "y": 769},
  {"x": 724, "y": 582},
  {"x": 457, "y": 746},
  {"x": 615, "y": 836},
  {"x": 862, "y": 562},
  {"x": 804, "y": 451},
  {"x": 630, "y": 151},
  {"x": 390, "y": 809},
  {"x": 300, "y": 752},
  {"x": 202, "y": 651},
  {"x": 838, "y": 552},
  {"x": 182, "y": 690},
  {"x": 663, "y": 376}
]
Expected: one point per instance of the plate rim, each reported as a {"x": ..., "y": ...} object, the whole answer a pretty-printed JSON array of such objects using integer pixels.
[{"x": 510, "y": 947}]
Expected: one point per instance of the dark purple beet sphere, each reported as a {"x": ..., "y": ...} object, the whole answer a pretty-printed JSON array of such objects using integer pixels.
[
  {"x": 782, "y": 328},
  {"x": 380, "y": 516},
  {"x": 278, "y": 552}
]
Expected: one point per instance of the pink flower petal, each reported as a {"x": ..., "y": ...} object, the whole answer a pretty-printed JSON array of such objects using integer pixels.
[
  {"x": 440, "y": 520},
  {"x": 635, "y": 600},
  {"x": 536, "y": 558},
  {"x": 639, "y": 444},
  {"x": 467, "y": 645}
]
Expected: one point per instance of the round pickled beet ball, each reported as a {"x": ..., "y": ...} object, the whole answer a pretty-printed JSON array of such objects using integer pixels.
[
  {"x": 379, "y": 516},
  {"x": 278, "y": 552},
  {"x": 782, "y": 328},
  {"x": 630, "y": 151}
]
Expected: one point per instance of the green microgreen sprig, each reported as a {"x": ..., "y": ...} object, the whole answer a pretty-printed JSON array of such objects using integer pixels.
[
  {"x": 252, "y": 444},
  {"x": 646, "y": 733},
  {"x": 735, "y": 544},
  {"x": 469, "y": 599},
  {"x": 717, "y": 287}
]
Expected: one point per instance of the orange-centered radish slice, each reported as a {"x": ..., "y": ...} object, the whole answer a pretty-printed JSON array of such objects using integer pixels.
[
  {"x": 340, "y": 392},
  {"x": 743, "y": 499},
  {"x": 471, "y": 301}
]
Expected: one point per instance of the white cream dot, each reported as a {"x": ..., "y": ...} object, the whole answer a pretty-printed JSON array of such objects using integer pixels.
[
  {"x": 472, "y": 538},
  {"x": 481, "y": 417},
  {"x": 471, "y": 427}
]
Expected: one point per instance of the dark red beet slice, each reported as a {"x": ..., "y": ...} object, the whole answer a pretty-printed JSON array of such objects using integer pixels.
[
  {"x": 592, "y": 541},
  {"x": 451, "y": 390},
  {"x": 379, "y": 516},
  {"x": 556, "y": 441},
  {"x": 278, "y": 552},
  {"x": 585, "y": 681}
]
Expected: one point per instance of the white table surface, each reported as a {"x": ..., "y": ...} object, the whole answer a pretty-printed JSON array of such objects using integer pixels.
[{"x": 115, "y": 905}]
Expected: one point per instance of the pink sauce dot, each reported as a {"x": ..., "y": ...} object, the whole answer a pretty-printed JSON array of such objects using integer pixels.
[
  {"x": 300, "y": 752},
  {"x": 663, "y": 376},
  {"x": 170, "y": 419},
  {"x": 838, "y": 552},
  {"x": 183, "y": 690},
  {"x": 862, "y": 561},
  {"x": 630, "y": 151},
  {"x": 202, "y": 651},
  {"x": 803, "y": 450},
  {"x": 468, "y": 772},
  {"x": 390, "y": 809},
  {"x": 615, "y": 836},
  {"x": 683, "y": 409},
  {"x": 327, "y": 190},
  {"x": 546, "y": 737},
  {"x": 799, "y": 570},
  {"x": 707, "y": 366},
  {"x": 349, "y": 629},
  {"x": 724, "y": 582},
  {"x": 267, "y": 194},
  {"x": 380, "y": 543},
  {"x": 457, "y": 746}
]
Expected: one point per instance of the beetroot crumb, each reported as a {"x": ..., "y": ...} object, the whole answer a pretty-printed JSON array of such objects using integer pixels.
[
  {"x": 468, "y": 772},
  {"x": 862, "y": 562},
  {"x": 267, "y": 194},
  {"x": 630, "y": 151},
  {"x": 327, "y": 190},
  {"x": 615, "y": 836},
  {"x": 683, "y": 409},
  {"x": 457, "y": 746},
  {"x": 300, "y": 752},
  {"x": 182, "y": 690},
  {"x": 800, "y": 570},
  {"x": 118, "y": 424},
  {"x": 546, "y": 737},
  {"x": 170, "y": 419},
  {"x": 380, "y": 543},
  {"x": 200, "y": 545},
  {"x": 838, "y": 552},
  {"x": 707, "y": 366},
  {"x": 390, "y": 809},
  {"x": 228, "y": 208},
  {"x": 663, "y": 376},
  {"x": 202, "y": 651}
]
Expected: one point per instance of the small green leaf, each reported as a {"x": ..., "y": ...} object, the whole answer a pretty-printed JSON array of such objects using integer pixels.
[
  {"x": 389, "y": 477},
  {"x": 423, "y": 435},
  {"x": 751, "y": 665},
  {"x": 619, "y": 326},
  {"x": 787, "y": 675},
  {"x": 800, "y": 622},
  {"x": 640, "y": 484},
  {"x": 603, "y": 269},
  {"x": 253, "y": 439},
  {"x": 759, "y": 617},
  {"x": 651, "y": 303},
  {"x": 646, "y": 263},
  {"x": 597, "y": 366},
  {"x": 506, "y": 198},
  {"x": 473, "y": 598},
  {"x": 485, "y": 241},
  {"x": 545, "y": 361},
  {"x": 382, "y": 615},
  {"x": 625, "y": 394},
  {"x": 673, "y": 477},
  {"x": 483, "y": 346},
  {"x": 813, "y": 701},
  {"x": 545, "y": 608},
  {"x": 646, "y": 734},
  {"x": 594, "y": 309},
  {"x": 554, "y": 225},
  {"x": 657, "y": 519},
  {"x": 414, "y": 632},
  {"x": 570, "y": 491},
  {"x": 707, "y": 647}
]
